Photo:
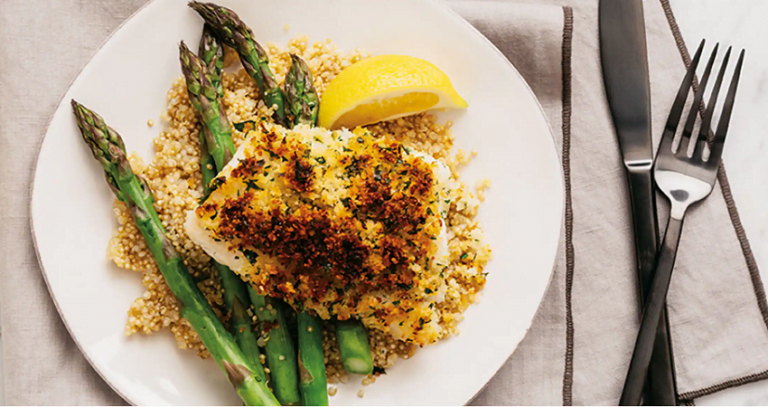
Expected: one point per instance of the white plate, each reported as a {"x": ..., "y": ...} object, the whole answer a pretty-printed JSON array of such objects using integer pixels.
[{"x": 126, "y": 83}]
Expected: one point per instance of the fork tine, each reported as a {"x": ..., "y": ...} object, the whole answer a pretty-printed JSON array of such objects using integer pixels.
[
  {"x": 706, "y": 121},
  {"x": 725, "y": 117},
  {"x": 677, "y": 107},
  {"x": 682, "y": 149}
]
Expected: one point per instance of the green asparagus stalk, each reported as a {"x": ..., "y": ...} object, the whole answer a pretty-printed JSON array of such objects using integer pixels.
[
  {"x": 281, "y": 354},
  {"x": 353, "y": 346},
  {"x": 233, "y": 32},
  {"x": 235, "y": 292},
  {"x": 205, "y": 100},
  {"x": 108, "y": 149},
  {"x": 312, "y": 381},
  {"x": 212, "y": 54},
  {"x": 301, "y": 98},
  {"x": 303, "y": 105}
]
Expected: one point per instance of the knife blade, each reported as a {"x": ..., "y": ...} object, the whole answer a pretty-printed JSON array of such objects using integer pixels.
[{"x": 623, "y": 54}]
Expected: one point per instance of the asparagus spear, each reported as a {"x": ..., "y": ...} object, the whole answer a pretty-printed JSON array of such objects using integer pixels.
[
  {"x": 205, "y": 99},
  {"x": 281, "y": 354},
  {"x": 303, "y": 104},
  {"x": 237, "y": 35},
  {"x": 313, "y": 384},
  {"x": 235, "y": 292},
  {"x": 212, "y": 53},
  {"x": 284, "y": 373},
  {"x": 300, "y": 95},
  {"x": 109, "y": 150}
]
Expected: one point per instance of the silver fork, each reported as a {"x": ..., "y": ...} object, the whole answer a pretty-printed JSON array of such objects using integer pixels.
[{"x": 685, "y": 180}]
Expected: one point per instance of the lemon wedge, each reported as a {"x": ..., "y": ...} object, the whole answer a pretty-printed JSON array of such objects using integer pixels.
[{"x": 385, "y": 87}]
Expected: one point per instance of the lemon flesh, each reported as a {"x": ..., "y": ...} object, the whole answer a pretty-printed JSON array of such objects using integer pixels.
[{"x": 385, "y": 87}]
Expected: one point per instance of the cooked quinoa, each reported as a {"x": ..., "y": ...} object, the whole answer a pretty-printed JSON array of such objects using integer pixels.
[{"x": 174, "y": 176}]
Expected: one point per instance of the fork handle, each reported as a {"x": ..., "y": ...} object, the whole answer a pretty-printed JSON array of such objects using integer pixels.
[
  {"x": 654, "y": 306},
  {"x": 660, "y": 387}
]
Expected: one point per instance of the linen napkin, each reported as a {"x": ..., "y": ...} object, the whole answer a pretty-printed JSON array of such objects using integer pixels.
[{"x": 578, "y": 348}]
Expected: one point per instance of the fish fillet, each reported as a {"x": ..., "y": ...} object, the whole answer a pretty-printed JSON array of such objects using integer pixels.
[{"x": 341, "y": 223}]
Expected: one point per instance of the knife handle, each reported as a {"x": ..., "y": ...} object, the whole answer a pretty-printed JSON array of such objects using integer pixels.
[
  {"x": 645, "y": 223},
  {"x": 660, "y": 386}
]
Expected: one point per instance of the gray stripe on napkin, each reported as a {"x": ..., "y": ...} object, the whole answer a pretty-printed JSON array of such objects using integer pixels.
[{"x": 569, "y": 253}]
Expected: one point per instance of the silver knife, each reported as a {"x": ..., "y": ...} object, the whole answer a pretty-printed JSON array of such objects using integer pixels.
[{"x": 625, "y": 72}]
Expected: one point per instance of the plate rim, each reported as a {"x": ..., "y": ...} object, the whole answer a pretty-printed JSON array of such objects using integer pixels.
[
  {"x": 31, "y": 203},
  {"x": 561, "y": 178},
  {"x": 437, "y": 6}
]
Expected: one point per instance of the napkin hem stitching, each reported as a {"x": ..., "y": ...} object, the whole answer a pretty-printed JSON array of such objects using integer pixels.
[{"x": 566, "y": 162}]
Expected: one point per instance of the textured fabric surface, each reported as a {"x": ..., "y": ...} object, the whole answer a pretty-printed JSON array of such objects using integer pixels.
[{"x": 578, "y": 348}]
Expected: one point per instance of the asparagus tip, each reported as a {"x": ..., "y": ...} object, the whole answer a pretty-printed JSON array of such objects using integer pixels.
[
  {"x": 299, "y": 62},
  {"x": 183, "y": 49},
  {"x": 80, "y": 112},
  {"x": 208, "y": 11},
  {"x": 77, "y": 108},
  {"x": 189, "y": 61},
  {"x": 195, "y": 5}
]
